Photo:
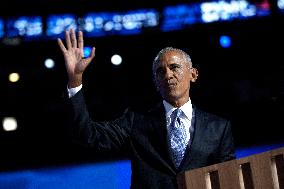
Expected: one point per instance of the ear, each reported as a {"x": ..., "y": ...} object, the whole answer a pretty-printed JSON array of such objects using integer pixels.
[{"x": 194, "y": 74}]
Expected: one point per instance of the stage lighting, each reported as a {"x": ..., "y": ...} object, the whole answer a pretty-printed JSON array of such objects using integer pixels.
[
  {"x": 180, "y": 16},
  {"x": 49, "y": 63},
  {"x": 25, "y": 26},
  {"x": 58, "y": 24},
  {"x": 14, "y": 77},
  {"x": 280, "y": 5},
  {"x": 9, "y": 124},
  {"x": 1, "y": 28},
  {"x": 115, "y": 23},
  {"x": 116, "y": 59},
  {"x": 93, "y": 23},
  {"x": 87, "y": 51},
  {"x": 225, "y": 41},
  {"x": 230, "y": 10}
]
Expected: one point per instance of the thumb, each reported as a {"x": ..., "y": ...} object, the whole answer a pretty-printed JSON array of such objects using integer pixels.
[{"x": 89, "y": 59}]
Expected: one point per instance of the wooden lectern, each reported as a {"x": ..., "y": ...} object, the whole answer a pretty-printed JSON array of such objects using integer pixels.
[{"x": 260, "y": 171}]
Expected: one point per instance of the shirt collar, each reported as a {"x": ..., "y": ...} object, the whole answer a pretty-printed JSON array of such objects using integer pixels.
[{"x": 186, "y": 108}]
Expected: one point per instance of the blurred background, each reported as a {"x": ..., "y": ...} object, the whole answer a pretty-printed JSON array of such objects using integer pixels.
[{"x": 236, "y": 45}]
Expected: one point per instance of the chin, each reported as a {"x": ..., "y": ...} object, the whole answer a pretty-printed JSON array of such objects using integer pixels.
[{"x": 170, "y": 97}]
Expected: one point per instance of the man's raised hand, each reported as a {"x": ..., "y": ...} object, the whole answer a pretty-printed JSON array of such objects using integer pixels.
[{"x": 75, "y": 62}]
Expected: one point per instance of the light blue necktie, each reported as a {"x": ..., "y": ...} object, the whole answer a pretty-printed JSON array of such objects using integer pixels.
[{"x": 177, "y": 137}]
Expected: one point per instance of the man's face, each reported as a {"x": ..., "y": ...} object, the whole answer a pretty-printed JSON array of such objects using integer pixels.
[{"x": 172, "y": 77}]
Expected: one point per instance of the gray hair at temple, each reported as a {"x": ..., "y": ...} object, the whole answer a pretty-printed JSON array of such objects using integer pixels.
[{"x": 166, "y": 50}]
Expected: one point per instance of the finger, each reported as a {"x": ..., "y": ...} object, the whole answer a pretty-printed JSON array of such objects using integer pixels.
[
  {"x": 61, "y": 45},
  {"x": 68, "y": 42},
  {"x": 73, "y": 38},
  {"x": 92, "y": 55},
  {"x": 80, "y": 40}
]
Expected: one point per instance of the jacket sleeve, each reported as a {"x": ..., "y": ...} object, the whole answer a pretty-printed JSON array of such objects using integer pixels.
[
  {"x": 227, "y": 148},
  {"x": 103, "y": 136}
]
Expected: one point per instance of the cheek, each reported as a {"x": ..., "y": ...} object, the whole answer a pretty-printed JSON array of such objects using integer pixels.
[
  {"x": 184, "y": 79},
  {"x": 183, "y": 76}
]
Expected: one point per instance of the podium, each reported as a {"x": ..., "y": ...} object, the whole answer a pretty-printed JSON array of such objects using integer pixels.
[{"x": 261, "y": 171}]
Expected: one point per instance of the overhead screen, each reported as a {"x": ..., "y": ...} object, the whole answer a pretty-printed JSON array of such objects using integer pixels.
[
  {"x": 181, "y": 16},
  {"x": 169, "y": 18},
  {"x": 24, "y": 26},
  {"x": 57, "y": 24},
  {"x": 131, "y": 22}
]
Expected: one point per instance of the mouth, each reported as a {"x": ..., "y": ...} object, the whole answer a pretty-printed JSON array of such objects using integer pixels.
[
  {"x": 170, "y": 85},
  {"x": 171, "y": 82}
]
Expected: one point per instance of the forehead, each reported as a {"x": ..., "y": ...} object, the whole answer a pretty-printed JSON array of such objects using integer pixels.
[{"x": 171, "y": 57}]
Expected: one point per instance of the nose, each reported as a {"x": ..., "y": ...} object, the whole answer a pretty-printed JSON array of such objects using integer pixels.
[{"x": 168, "y": 74}]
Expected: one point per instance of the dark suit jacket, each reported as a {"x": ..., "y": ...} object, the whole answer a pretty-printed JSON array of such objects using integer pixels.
[{"x": 145, "y": 135}]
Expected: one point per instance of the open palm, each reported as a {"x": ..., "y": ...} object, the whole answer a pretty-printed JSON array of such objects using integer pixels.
[{"x": 75, "y": 62}]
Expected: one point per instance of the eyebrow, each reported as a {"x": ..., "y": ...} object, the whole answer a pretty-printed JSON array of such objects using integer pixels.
[
  {"x": 170, "y": 65},
  {"x": 175, "y": 64}
]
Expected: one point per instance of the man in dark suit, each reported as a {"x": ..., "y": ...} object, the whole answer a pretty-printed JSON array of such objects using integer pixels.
[{"x": 157, "y": 154}]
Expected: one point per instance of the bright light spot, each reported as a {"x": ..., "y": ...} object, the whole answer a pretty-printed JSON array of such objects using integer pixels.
[
  {"x": 49, "y": 63},
  {"x": 116, "y": 59},
  {"x": 225, "y": 41},
  {"x": 14, "y": 77},
  {"x": 9, "y": 124},
  {"x": 87, "y": 51},
  {"x": 280, "y": 4},
  {"x": 108, "y": 26}
]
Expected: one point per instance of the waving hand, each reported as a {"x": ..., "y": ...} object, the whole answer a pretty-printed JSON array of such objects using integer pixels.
[{"x": 75, "y": 62}]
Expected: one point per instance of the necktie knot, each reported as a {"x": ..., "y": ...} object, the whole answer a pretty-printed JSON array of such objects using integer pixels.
[{"x": 176, "y": 113}]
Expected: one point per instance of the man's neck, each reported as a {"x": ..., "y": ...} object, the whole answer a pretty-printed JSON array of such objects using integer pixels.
[{"x": 178, "y": 103}]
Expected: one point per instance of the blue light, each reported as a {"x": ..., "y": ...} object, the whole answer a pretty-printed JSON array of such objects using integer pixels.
[
  {"x": 1, "y": 28},
  {"x": 180, "y": 16},
  {"x": 110, "y": 175},
  {"x": 280, "y": 4},
  {"x": 95, "y": 24},
  {"x": 28, "y": 27},
  {"x": 57, "y": 24},
  {"x": 225, "y": 41},
  {"x": 248, "y": 151},
  {"x": 87, "y": 51},
  {"x": 116, "y": 23}
]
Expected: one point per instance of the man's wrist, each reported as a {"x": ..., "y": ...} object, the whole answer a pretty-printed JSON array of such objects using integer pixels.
[
  {"x": 74, "y": 84},
  {"x": 75, "y": 81},
  {"x": 72, "y": 91}
]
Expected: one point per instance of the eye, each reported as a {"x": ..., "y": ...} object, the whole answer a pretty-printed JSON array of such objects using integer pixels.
[
  {"x": 160, "y": 72},
  {"x": 175, "y": 67}
]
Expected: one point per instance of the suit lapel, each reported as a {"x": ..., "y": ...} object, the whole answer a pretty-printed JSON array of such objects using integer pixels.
[
  {"x": 199, "y": 123},
  {"x": 159, "y": 125}
]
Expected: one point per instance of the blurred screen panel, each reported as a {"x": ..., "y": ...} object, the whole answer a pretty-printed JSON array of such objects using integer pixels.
[
  {"x": 1, "y": 28},
  {"x": 28, "y": 27},
  {"x": 114, "y": 23},
  {"x": 57, "y": 24}
]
